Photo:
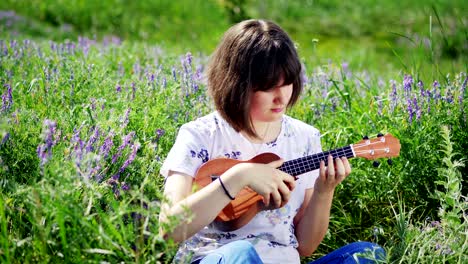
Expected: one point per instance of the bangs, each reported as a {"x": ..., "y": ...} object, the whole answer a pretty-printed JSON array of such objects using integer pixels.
[{"x": 273, "y": 65}]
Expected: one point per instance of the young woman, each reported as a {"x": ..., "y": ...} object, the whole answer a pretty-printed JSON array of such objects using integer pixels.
[{"x": 253, "y": 77}]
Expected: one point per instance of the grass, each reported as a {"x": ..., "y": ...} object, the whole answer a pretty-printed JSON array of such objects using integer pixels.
[{"x": 86, "y": 123}]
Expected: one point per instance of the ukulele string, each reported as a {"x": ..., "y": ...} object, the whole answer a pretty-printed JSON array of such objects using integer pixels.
[
  {"x": 372, "y": 151},
  {"x": 363, "y": 145}
]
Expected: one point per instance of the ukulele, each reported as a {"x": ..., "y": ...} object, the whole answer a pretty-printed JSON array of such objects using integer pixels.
[{"x": 248, "y": 203}]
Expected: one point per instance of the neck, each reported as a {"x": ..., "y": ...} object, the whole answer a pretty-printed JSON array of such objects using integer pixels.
[{"x": 266, "y": 131}]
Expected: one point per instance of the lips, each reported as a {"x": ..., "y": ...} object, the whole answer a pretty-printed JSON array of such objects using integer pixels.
[{"x": 277, "y": 110}]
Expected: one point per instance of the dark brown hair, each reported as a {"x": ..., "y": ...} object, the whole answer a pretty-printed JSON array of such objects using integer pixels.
[{"x": 254, "y": 55}]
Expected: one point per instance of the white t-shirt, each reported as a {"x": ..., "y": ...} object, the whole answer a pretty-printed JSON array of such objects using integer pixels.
[{"x": 272, "y": 231}]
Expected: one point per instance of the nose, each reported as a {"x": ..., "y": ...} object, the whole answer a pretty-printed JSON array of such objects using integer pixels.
[{"x": 280, "y": 95}]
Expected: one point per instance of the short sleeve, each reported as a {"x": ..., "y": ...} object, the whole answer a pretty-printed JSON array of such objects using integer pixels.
[
  {"x": 314, "y": 147},
  {"x": 189, "y": 151}
]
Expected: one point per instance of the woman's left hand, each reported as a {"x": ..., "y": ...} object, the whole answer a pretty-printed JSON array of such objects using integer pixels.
[{"x": 332, "y": 175}]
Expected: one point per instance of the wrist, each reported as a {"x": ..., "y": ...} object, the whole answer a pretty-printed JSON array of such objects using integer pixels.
[
  {"x": 238, "y": 173},
  {"x": 225, "y": 189},
  {"x": 324, "y": 194},
  {"x": 234, "y": 180}
]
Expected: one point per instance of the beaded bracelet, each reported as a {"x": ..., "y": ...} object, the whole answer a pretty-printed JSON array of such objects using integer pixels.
[{"x": 225, "y": 190}]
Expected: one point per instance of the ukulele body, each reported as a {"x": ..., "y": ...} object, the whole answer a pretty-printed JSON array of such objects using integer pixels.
[{"x": 247, "y": 203}]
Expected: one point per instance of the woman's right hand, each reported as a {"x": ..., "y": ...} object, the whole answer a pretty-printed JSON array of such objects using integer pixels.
[{"x": 265, "y": 179}]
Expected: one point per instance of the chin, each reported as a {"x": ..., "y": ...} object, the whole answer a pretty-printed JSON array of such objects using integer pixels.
[{"x": 275, "y": 117}]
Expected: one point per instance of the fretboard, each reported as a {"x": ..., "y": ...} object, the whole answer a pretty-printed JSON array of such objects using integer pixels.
[{"x": 309, "y": 163}]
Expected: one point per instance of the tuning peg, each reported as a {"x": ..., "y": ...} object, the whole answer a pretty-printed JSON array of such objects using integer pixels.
[
  {"x": 379, "y": 135},
  {"x": 365, "y": 137},
  {"x": 390, "y": 161},
  {"x": 375, "y": 164}
]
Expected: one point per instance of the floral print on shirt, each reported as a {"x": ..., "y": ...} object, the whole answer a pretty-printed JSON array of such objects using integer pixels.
[{"x": 202, "y": 154}]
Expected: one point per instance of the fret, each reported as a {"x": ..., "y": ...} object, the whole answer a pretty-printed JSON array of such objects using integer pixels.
[{"x": 309, "y": 163}]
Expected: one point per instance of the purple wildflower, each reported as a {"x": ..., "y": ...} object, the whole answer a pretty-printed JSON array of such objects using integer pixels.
[
  {"x": 380, "y": 105},
  {"x": 447, "y": 251},
  {"x": 428, "y": 104},
  {"x": 160, "y": 133},
  {"x": 133, "y": 90},
  {"x": 410, "y": 110},
  {"x": 7, "y": 99},
  {"x": 92, "y": 140},
  {"x": 174, "y": 74},
  {"x": 195, "y": 87},
  {"x": 118, "y": 88},
  {"x": 407, "y": 84},
  {"x": 125, "y": 142},
  {"x": 417, "y": 109},
  {"x": 449, "y": 96},
  {"x": 420, "y": 85},
  {"x": 199, "y": 75},
  {"x": 137, "y": 68},
  {"x": 188, "y": 58},
  {"x": 5, "y": 138},
  {"x": 436, "y": 90},
  {"x": 106, "y": 145},
  {"x": 124, "y": 121},
  {"x": 435, "y": 223},
  {"x": 44, "y": 151},
  {"x": 304, "y": 75},
  {"x": 13, "y": 44},
  {"x": 127, "y": 162},
  {"x": 345, "y": 72},
  {"x": 150, "y": 78},
  {"x": 125, "y": 186},
  {"x": 393, "y": 96},
  {"x": 70, "y": 46},
  {"x": 131, "y": 157},
  {"x": 85, "y": 44},
  {"x": 5, "y": 50},
  {"x": 78, "y": 146},
  {"x": 93, "y": 104},
  {"x": 462, "y": 91}
]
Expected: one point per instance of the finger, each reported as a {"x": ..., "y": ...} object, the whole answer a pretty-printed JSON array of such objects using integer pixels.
[
  {"x": 276, "y": 196},
  {"x": 266, "y": 200},
  {"x": 346, "y": 165},
  {"x": 322, "y": 172},
  {"x": 275, "y": 164},
  {"x": 288, "y": 179},
  {"x": 330, "y": 169},
  {"x": 339, "y": 169},
  {"x": 284, "y": 191}
]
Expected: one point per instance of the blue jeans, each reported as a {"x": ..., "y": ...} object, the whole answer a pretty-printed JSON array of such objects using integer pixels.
[
  {"x": 240, "y": 252},
  {"x": 357, "y": 252},
  {"x": 237, "y": 252}
]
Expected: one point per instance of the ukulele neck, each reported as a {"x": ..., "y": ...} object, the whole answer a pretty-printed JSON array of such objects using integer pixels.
[{"x": 309, "y": 163}]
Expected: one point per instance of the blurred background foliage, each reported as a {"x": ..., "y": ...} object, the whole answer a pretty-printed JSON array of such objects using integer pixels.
[
  {"x": 384, "y": 34},
  {"x": 369, "y": 64}
]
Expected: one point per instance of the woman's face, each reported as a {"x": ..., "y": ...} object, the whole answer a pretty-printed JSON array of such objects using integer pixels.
[{"x": 270, "y": 105}]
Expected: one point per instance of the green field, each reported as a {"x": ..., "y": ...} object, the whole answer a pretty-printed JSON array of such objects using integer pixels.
[{"x": 93, "y": 93}]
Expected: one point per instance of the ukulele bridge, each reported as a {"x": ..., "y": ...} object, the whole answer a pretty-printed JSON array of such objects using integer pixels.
[{"x": 214, "y": 177}]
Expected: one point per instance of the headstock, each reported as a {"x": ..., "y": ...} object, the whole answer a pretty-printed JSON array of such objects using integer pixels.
[{"x": 382, "y": 146}]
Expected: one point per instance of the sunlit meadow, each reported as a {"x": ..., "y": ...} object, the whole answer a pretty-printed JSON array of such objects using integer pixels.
[
  {"x": 85, "y": 126},
  {"x": 86, "y": 123}
]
